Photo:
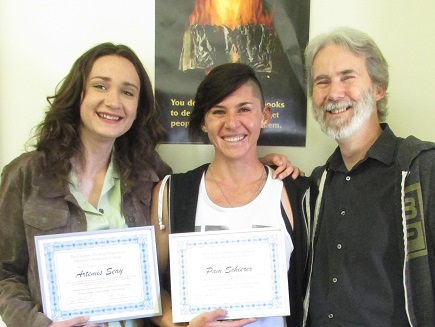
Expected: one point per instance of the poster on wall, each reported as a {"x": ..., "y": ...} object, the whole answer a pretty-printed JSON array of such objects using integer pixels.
[{"x": 193, "y": 36}]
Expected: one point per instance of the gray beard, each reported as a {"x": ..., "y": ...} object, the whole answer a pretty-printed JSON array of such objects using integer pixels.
[{"x": 342, "y": 128}]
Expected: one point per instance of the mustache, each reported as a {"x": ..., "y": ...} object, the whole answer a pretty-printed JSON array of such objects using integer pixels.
[{"x": 337, "y": 105}]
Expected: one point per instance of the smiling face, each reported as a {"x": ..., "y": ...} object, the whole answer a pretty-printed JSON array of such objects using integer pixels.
[
  {"x": 234, "y": 124},
  {"x": 344, "y": 97},
  {"x": 110, "y": 100}
]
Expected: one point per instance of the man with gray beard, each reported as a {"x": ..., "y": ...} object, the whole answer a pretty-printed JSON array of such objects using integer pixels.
[{"x": 373, "y": 237}]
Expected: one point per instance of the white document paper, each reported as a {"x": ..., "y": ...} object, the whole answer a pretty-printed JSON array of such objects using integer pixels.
[
  {"x": 244, "y": 272},
  {"x": 110, "y": 275}
]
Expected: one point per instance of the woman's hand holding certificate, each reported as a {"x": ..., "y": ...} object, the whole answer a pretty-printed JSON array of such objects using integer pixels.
[
  {"x": 243, "y": 272},
  {"x": 213, "y": 319}
]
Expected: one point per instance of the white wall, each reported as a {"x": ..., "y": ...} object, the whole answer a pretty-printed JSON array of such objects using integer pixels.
[{"x": 39, "y": 40}]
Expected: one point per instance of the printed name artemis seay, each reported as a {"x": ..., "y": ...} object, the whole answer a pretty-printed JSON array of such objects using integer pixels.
[
  {"x": 109, "y": 271},
  {"x": 228, "y": 270}
]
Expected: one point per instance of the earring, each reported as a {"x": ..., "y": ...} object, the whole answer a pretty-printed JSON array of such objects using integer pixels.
[{"x": 204, "y": 129}]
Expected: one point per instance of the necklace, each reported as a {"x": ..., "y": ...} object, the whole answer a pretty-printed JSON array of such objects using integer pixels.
[{"x": 260, "y": 184}]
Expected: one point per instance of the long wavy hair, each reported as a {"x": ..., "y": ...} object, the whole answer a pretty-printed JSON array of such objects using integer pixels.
[
  {"x": 58, "y": 134},
  {"x": 360, "y": 44}
]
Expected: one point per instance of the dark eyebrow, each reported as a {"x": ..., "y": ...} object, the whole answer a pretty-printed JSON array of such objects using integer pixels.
[
  {"x": 241, "y": 104},
  {"x": 130, "y": 84},
  {"x": 218, "y": 106},
  {"x": 107, "y": 79}
]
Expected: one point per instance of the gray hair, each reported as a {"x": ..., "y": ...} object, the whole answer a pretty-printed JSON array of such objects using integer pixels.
[{"x": 360, "y": 44}]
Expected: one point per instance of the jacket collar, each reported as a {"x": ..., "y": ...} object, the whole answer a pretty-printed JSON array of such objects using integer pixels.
[{"x": 49, "y": 186}]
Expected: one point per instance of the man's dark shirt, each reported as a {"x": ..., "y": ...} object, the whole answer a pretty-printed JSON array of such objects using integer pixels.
[{"x": 358, "y": 259}]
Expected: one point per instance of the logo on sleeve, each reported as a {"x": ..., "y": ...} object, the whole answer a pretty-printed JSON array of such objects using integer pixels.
[{"x": 417, "y": 246}]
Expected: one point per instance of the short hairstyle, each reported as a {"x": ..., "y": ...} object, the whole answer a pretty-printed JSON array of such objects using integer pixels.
[
  {"x": 360, "y": 44},
  {"x": 58, "y": 134},
  {"x": 220, "y": 82}
]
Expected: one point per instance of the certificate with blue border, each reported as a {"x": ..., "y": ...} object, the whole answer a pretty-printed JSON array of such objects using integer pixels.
[
  {"x": 110, "y": 275},
  {"x": 244, "y": 272}
]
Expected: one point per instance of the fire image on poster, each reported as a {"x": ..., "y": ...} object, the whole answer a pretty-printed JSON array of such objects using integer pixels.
[{"x": 194, "y": 36}]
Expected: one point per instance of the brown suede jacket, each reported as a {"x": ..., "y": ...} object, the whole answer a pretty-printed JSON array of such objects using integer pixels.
[{"x": 32, "y": 203}]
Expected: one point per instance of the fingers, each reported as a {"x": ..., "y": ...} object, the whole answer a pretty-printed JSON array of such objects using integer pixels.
[
  {"x": 211, "y": 319},
  {"x": 208, "y": 318},
  {"x": 297, "y": 172},
  {"x": 284, "y": 167},
  {"x": 288, "y": 169},
  {"x": 236, "y": 323},
  {"x": 282, "y": 171},
  {"x": 73, "y": 322},
  {"x": 217, "y": 314}
]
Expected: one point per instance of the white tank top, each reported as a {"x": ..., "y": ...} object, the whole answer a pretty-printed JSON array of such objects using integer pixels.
[{"x": 263, "y": 211}]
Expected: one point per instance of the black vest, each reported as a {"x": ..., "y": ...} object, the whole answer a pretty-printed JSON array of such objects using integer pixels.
[{"x": 183, "y": 200}]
